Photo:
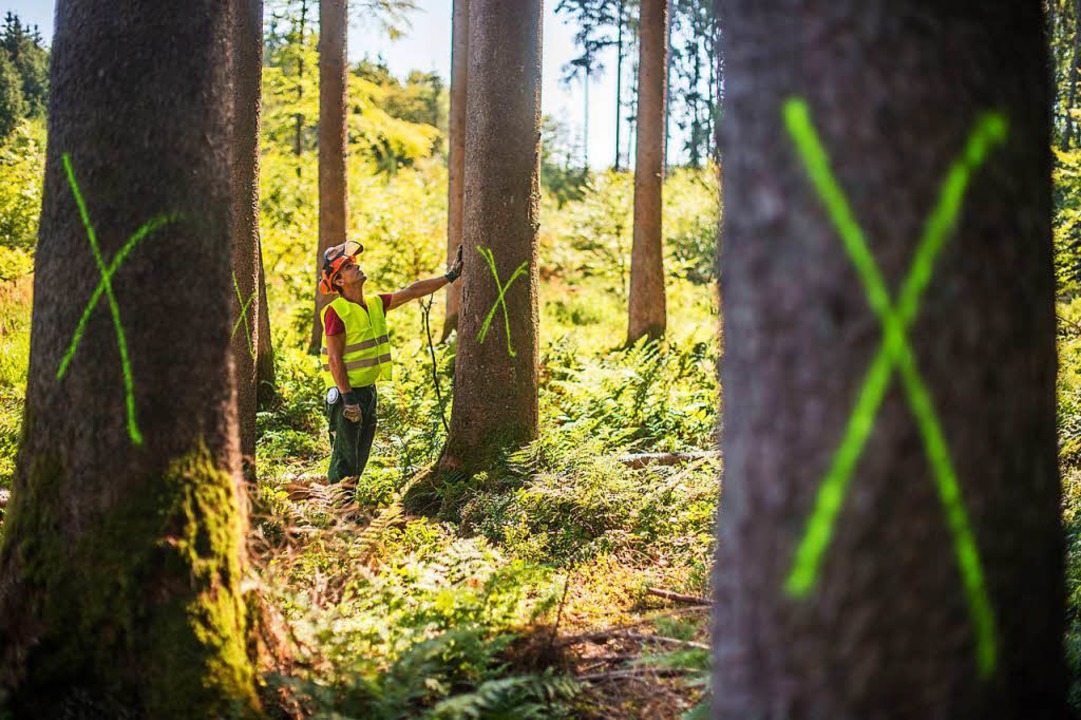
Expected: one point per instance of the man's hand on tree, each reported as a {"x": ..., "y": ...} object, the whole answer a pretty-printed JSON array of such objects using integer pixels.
[{"x": 456, "y": 268}]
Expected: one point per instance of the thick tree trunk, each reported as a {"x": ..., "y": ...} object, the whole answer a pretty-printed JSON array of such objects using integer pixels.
[
  {"x": 247, "y": 266},
  {"x": 122, "y": 555},
  {"x": 456, "y": 125},
  {"x": 911, "y": 601},
  {"x": 495, "y": 393},
  {"x": 333, "y": 217},
  {"x": 647, "y": 314}
]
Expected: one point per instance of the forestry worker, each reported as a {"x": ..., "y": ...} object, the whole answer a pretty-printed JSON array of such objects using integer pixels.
[{"x": 357, "y": 353}]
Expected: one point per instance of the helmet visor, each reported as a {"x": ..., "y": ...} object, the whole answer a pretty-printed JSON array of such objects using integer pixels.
[{"x": 333, "y": 259}]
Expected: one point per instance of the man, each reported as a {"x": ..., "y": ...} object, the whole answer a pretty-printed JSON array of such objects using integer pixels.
[{"x": 358, "y": 353}]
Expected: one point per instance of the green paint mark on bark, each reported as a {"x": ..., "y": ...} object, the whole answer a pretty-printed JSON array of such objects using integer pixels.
[
  {"x": 105, "y": 286},
  {"x": 244, "y": 305},
  {"x": 486, "y": 253},
  {"x": 895, "y": 353}
]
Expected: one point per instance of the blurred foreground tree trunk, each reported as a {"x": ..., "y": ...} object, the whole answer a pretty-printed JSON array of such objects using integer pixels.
[
  {"x": 459, "y": 79},
  {"x": 247, "y": 264},
  {"x": 890, "y": 323},
  {"x": 647, "y": 315},
  {"x": 122, "y": 552},
  {"x": 495, "y": 378},
  {"x": 333, "y": 217}
]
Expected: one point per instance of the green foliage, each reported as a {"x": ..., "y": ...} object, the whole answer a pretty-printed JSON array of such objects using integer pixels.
[
  {"x": 1069, "y": 432},
  {"x": 22, "y": 166},
  {"x": 421, "y": 99},
  {"x": 1066, "y": 221},
  {"x": 291, "y": 95},
  {"x": 25, "y": 48},
  {"x": 692, "y": 213},
  {"x": 13, "y": 107},
  {"x": 559, "y": 176},
  {"x": 14, "y": 359}
]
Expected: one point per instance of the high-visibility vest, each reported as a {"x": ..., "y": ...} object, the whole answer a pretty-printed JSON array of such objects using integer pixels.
[{"x": 367, "y": 349}]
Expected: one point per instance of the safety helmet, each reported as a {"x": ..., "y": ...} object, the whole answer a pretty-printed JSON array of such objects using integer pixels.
[{"x": 333, "y": 259}]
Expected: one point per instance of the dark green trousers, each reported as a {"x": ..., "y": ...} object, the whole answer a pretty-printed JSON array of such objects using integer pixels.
[{"x": 350, "y": 442}]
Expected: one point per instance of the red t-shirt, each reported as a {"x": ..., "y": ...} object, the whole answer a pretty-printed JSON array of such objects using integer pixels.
[{"x": 333, "y": 325}]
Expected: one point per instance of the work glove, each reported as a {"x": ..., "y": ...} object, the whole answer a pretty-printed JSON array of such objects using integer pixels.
[
  {"x": 456, "y": 268},
  {"x": 351, "y": 413}
]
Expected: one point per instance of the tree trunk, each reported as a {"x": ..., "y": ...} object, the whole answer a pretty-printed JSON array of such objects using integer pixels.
[
  {"x": 585, "y": 125},
  {"x": 927, "y": 583},
  {"x": 696, "y": 117},
  {"x": 716, "y": 102},
  {"x": 1074, "y": 60},
  {"x": 333, "y": 218},
  {"x": 456, "y": 125},
  {"x": 495, "y": 393},
  {"x": 247, "y": 265},
  {"x": 647, "y": 302},
  {"x": 619, "y": 80},
  {"x": 264, "y": 362},
  {"x": 667, "y": 99},
  {"x": 122, "y": 553},
  {"x": 298, "y": 139}
]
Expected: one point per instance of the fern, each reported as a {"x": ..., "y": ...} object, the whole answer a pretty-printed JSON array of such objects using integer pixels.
[{"x": 522, "y": 696}]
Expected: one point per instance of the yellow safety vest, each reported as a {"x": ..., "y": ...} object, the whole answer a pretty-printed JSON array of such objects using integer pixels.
[{"x": 367, "y": 349}]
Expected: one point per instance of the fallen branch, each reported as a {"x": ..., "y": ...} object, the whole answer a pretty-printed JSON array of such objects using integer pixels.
[
  {"x": 617, "y": 630},
  {"x": 631, "y": 673},
  {"x": 678, "y": 597},
  {"x": 642, "y": 637},
  {"x": 1071, "y": 323},
  {"x": 643, "y": 459}
]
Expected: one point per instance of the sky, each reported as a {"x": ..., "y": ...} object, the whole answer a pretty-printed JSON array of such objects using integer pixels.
[{"x": 427, "y": 47}]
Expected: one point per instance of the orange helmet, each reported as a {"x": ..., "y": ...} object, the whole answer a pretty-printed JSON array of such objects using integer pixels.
[{"x": 333, "y": 259}]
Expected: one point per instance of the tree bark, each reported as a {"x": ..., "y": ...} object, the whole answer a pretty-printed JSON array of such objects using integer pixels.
[
  {"x": 619, "y": 79},
  {"x": 333, "y": 217},
  {"x": 893, "y": 624},
  {"x": 495, "y": 394},
  {"x": 267, "y": 388},
  {"x": 647, "y": 315},
  {"x": 298, "y": 133},
  {"x": 122, "y": 554},
  {"x": 247, "y": 265},
  {"x": 1075, "y": 59},
  {"x": 456, "y": 128}
]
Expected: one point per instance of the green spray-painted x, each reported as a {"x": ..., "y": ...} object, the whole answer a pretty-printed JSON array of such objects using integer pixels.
[
  {"x": 896, "y": 353},
  {"x": 244, "y": 305},
  {"x": 522, "y": 269},
  {"x": 105, "y": 286}
]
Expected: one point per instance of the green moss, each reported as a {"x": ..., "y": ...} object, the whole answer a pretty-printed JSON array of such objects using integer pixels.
[{"x": 144, "y": 610}]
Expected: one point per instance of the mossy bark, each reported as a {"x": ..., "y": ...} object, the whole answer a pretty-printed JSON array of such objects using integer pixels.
[
  {"x": 122, "y": 553},
  {"x": 143, "y": 615}
]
